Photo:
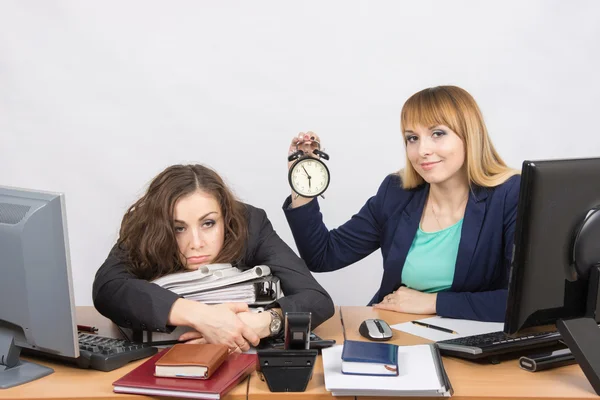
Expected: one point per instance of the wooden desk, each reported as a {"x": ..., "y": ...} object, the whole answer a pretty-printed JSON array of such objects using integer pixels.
[
  {"x": 69, "y": 382},
  {"x": 470, "y": 380}
]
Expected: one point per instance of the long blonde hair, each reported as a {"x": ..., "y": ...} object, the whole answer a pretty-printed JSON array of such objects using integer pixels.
[{"x": 455, "y": 108}]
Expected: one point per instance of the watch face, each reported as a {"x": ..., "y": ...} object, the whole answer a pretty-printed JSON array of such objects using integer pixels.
[
  {"x": 275, "y": 326},
  {"x": 309, "y": 177}
]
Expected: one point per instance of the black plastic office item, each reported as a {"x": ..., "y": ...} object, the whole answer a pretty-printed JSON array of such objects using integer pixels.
[
  {"x": 106, "y": 354},
  {"x": 286, "y": 370},
  {"x": 582, "y": 336},
  {"x": 315, "y": 342},
  {"x": 102, "y": 353},
  {"x": 556, "y": 198},
  {"x": 290, "y": 369},
  {"x": 297, "y": 330},
  {"x": 547, "y": 360},
  {"x": 495, "y": 343},
  {"x": 375, "y": 329},
  {"x": 555, "y": 270}
]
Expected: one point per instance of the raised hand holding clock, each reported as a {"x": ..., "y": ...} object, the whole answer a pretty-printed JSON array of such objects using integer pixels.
[{"x": 308, "y": 175}]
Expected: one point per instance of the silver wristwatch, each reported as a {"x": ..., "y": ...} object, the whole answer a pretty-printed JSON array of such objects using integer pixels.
[{"x": 276, "y": 323}]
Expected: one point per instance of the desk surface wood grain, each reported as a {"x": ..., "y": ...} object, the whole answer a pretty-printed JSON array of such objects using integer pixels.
[
  {"x": 470, "y": 380},
  {"x": 68, "y": 382}
]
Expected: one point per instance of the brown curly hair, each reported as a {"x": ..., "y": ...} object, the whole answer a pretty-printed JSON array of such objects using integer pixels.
[{"x": 147, "y": 231}]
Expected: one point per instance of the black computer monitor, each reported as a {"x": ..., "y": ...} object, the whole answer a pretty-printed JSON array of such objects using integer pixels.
[
  {"x": 36, "y": 296},
  {"x": 556, "y": 262}
]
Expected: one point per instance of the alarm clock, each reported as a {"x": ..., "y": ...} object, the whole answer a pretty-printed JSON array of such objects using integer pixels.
[{"x": 309, "y": 176}]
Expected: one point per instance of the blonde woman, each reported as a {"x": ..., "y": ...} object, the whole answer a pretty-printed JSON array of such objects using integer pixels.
[{"x": 445, "y": 223}]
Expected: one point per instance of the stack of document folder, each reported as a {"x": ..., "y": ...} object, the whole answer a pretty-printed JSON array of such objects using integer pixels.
[
  {"x": 215, "y": 284},
  {"x": 222, "y": 283},
  {"x": 257, "y": 292}
]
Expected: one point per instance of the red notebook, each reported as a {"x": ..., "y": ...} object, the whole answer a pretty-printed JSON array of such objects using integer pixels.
[{"x": 142, "y": 380}]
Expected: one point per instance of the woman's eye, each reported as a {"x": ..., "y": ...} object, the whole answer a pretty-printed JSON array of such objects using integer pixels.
[
  {"x": 438, "y": 133},
  {"x": 411, "y": 138},
  {"x": 179, "y": 229},
  {"x": 208, "y": 224}
]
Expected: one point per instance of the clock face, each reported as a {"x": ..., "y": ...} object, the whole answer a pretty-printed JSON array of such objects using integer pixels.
[{"x": 309, "y": 177}]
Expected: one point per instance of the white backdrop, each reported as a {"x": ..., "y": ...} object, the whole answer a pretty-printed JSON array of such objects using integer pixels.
[{"x": 98, "y": 97}]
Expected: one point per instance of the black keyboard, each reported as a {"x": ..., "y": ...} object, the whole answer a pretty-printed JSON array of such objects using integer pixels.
[
  {"x": 101, "y": 353},
  {"x": 495, "y": 343},
  {"x": 105, "y": 354}
]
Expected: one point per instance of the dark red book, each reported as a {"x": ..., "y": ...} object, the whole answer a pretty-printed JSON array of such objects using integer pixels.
[{"x": 142, "y": 380}]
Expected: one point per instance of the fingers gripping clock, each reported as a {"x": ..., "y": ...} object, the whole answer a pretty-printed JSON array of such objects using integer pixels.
[{"x": 309, "y": 176}]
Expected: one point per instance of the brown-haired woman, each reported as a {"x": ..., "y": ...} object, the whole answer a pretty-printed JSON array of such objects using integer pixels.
[
  {"x": 189, "y": 218},
  {"x": 445, "y": 223}
]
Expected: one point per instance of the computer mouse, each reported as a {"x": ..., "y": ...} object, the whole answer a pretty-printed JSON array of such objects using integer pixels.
[{"x": 375, "y": 329}]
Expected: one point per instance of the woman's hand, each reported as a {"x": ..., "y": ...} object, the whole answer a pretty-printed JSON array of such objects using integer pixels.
[
  {"x": 216, "y": 323},
  {"x": 307, "y": 142},
  {"x": 259, "y": 322},
  {"x": 409, "y": 301},
  {"x": 192, "y": 337}
]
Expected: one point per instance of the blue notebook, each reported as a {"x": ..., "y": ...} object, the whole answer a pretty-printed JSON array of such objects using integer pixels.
[{"x": 369, "y": 358}]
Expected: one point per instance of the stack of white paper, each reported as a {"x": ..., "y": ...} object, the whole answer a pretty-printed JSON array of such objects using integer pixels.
[
  {"x": 462, "y": 327},
  {"x": 420, "y": 374}
]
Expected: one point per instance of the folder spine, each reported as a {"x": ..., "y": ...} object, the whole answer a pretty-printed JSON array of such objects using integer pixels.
[{"x": 441, "y": 371}]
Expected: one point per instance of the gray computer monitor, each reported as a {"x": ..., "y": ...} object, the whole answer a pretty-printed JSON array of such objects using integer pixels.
[{"x": 36, "y": 296}]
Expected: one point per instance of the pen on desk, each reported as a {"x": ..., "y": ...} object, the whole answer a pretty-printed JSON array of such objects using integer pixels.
[
  {"x": 342, "y": 322},
  {"x": 438, "y": 328},
  {"x": 85, "y": 328}
]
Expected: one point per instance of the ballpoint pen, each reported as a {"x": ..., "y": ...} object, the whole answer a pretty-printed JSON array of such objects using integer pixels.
[
  {"x": 342, "y": 322},
  {"x": 438, "y": 328}
]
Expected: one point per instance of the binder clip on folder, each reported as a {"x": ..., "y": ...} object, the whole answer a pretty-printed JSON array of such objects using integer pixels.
[{"x": 290, "y": 369}]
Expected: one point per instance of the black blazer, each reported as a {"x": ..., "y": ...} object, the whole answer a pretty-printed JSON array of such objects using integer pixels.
[{"x": 139, "y": 304}]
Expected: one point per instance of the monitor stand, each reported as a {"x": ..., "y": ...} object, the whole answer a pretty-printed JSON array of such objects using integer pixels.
[
  {"x": 14, "y": 371},
  {"x": 582, "y": 335}
]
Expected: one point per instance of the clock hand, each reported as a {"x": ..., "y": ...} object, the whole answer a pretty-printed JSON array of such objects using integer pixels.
[{"x": 306, "y": 172}]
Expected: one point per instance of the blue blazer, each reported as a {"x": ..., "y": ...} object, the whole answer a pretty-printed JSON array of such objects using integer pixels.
[{"x": 390, "y": 219}]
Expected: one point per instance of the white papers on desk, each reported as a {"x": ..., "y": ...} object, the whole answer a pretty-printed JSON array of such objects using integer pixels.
[
  {"x": 463, "y": 327},
  {"x": 421, "y": 373}
]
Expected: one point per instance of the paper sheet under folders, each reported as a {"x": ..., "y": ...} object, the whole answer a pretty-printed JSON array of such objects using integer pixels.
[{"x": 463, "y": 327}]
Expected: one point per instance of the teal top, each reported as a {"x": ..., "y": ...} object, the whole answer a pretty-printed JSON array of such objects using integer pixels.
[{"x": 431, "y": 260}]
